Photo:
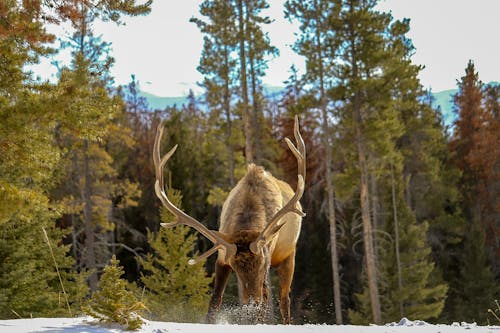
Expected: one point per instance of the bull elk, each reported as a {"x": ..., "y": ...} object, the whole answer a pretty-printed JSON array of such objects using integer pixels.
[{"x": 259, "y": 227}]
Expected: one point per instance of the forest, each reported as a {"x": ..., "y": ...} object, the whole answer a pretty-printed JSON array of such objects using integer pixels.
[{"x": 403, "y": 213}]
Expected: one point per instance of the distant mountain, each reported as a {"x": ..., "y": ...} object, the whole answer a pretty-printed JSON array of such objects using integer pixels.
[
  {"x": 443, "y": 99},
  {"x": 160, "y": 103}
]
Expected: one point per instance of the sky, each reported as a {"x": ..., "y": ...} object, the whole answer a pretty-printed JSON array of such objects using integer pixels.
[{"x": 163, "y": 48}]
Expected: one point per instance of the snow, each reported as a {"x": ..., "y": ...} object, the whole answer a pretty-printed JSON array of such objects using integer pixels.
[{"x": 88, "y": 325}]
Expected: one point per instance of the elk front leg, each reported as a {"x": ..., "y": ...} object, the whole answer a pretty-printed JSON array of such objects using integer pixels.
[
  {"x": 221, "y": 275},
  {"x": 285, "y": 274}
]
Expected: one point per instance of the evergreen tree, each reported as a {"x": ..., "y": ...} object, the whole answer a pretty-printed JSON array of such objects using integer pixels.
[
  {"x": 217, "y": 64},
  {"x": 415, "y": 291},
  {"x": 29, "y": 281},
  {"x": 28, "y": 171},
  {"x": 367, "y": 118},
  {"x": 234, "y": 39},
  {"x": 313, "y": 44},
  {"x": 475, "y": 285},
  {"x": 468, "y": 105},
  {"x": 373, "y": 88},
  {"x": 474, "y": 259},
  {"x": 175, "y": 291},
  {"x": 113, "y": 302},
  {"x": 90, "y": 195},
  {"x": 485, "y": 158}
]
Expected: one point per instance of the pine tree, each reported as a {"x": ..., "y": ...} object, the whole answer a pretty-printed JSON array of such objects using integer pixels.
[
  {"x": 367, "y": 118},
  {"x": 28, "y": 171},
  {"x": 113, "y": 302},
  {"x": 371, "y": 85},
  {"x": 217, "y": 64},
  {"x": 313, "y": 44},
  {"x": 87, "y": 131},
  {"x": 234, "y": 39},
  {"x": 175, "y": 291}
]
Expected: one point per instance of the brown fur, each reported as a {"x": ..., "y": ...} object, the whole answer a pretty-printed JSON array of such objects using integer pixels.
[
  {"x": 259, "y": 226},
  {"x": 249, "y": 207}
]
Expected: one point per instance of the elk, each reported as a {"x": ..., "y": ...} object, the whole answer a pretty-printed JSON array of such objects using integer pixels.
[{"x": 259, "y": 228}]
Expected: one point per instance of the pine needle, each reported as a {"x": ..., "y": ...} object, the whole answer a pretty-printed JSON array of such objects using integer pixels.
[{"x": 57, "y": 269}]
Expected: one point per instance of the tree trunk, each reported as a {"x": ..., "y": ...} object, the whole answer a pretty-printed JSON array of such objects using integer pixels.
[
  {"x": 255, "y": 98},
  {"x": 229, "y": 126},
  {"x": 329, "y": 187},
  {"x": 371, "y": 268},
  {"x": 249, "y": 149},
  {"x": 396, "y": 238},
  {"x": 255, "y": 113},
  {"x": 89, "y": 258},
  {"x": 374, "y": 208}
]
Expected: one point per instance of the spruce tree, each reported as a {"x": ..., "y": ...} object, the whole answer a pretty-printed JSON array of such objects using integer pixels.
[
  {"x": 113, "y": 303},
  {"x": 474, "y": 259},
  {"x": 475, "y": 284},
  {"x": 469, "y": 106},
  {"x": 411, "y": 285},
  {"x": 485, "y": 158},
  {"x": 29, "y": 280},
  {"x": 29, "y": 167},
  {"x": 175, "y": 290}
]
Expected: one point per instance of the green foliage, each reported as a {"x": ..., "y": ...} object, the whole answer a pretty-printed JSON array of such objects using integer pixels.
[
  {"x": 474, "y": 287},
  {"x": 28, "y": 279},
  {"x": 113, "y": 303},
  {"x": 28, "y": 171},
  {"x": 422, "y": 292},
  {"x": 175, "y": 290}
]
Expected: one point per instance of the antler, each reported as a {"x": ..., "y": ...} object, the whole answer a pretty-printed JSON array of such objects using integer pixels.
[
  {"x": 182, "y": 218},
  {"x": 291, "y": 207}
]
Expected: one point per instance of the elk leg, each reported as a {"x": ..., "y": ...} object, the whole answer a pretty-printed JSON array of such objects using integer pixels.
[
  {"x": 285, "y": 274},
  {"x": 267, "y": 300},
  {"x": 221, "y": 275}
]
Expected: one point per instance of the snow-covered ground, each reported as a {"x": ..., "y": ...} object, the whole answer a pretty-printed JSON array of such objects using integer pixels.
[{"x": 87, "y": 325}]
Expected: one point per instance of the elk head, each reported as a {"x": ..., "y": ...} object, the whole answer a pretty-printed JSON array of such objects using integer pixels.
[{"x": 259, "y": 228}]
